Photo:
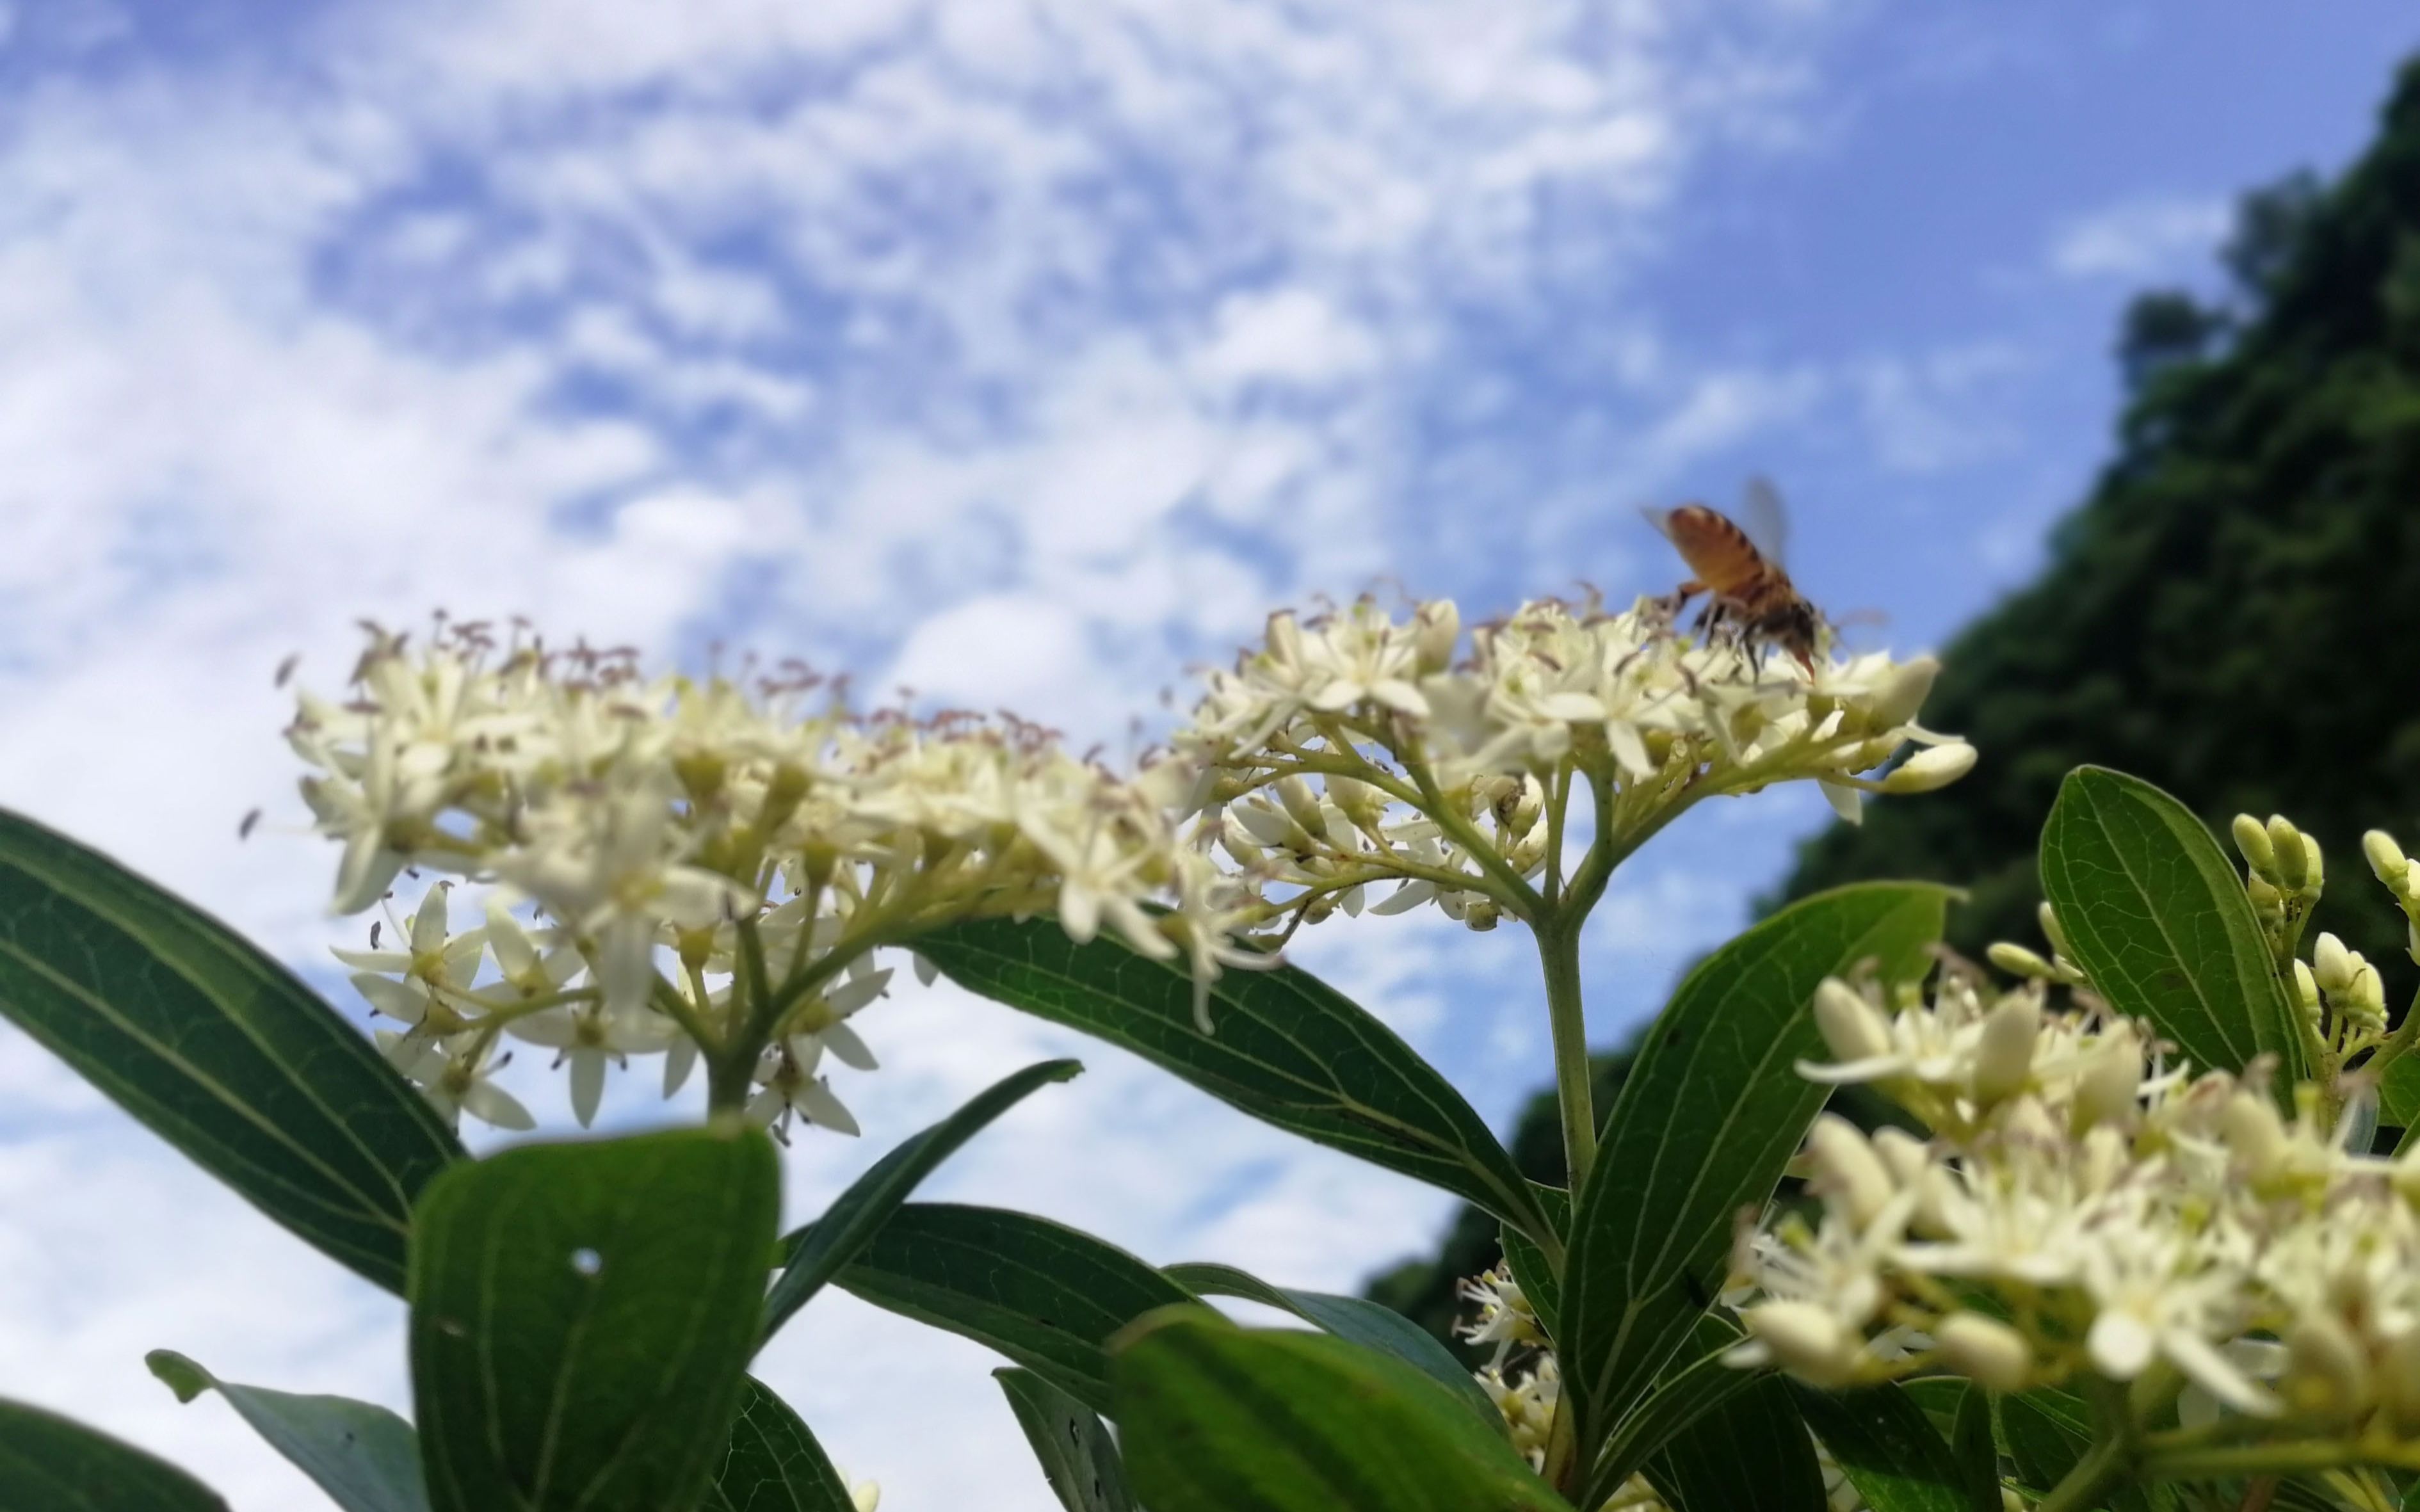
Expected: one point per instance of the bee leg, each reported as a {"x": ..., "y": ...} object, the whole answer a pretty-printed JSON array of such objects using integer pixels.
[{"x": 1673, "y": 602}]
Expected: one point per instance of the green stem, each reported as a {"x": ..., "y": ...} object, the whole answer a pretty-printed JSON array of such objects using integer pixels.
[
  {"x": 2102, "y": 1466},
  {"x": 1559, "y": 952}
]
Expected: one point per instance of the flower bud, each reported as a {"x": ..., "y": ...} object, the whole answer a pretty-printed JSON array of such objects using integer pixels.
[
  {"x": 1360, "y": 802},
  {"x": 1481, "y": 917},
  {"x": 1905, "y": 1156},
  {"x": 1852, "y": 1028},
  {"x": 2266, "y": 900},
  {"x": 2332, "y": 965},
  {"x": 2253, "y": 841},
  {"x": 1905, "y": 693},
  {"x": 2004, "y": 1058},
  {"x": 2106, "y": 1093},
  {"x": 2315, "y": 871},
  {"x": 1985, "y": 1350},
  {"x": 1847, "y": 1167},
  {"x": 2293, "y": 862},
  {"x": 2047, "y": 916},
  {"x": 2027, "y": 1121},
  {"x": 1261, "y": 820},
  {"x": 2325, "y": 1374},
  {"x": 1301, "y": 805},
  {"x": 1806, "y": 1341},
  {"x": 2399, "y": 1379},
  {"x": 2107, "y": 1153},
  {"x": 2019, "y": 962},
  {"x": 2253, "y": 1132},
  {"x": 2306, "y": 992},
  {"x": 1435, "y": 626},
  {"x": 1935, "y": 766},
  {"x": 2365, "y": 998},
  {"x": 2386, "y": 860}
]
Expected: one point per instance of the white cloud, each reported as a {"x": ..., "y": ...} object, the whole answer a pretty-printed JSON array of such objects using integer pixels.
[
  {"x": 1010, "y": 351},
  {"x": 2155, "y": 236}
]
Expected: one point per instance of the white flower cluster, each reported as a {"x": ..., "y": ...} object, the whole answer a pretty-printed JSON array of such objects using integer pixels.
[
  {"x": 706, "y": 868},
  {"x": 2083, "y": 1206},
  {"x": 1356, "y": 747}
]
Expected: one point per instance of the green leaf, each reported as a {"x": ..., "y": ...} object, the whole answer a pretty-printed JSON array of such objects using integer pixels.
[
  {"x": 214, "y": 1047},
  {"x": 1284, "y": 1047},
  {"x": 817, "y": 1252},
  {"x": 1078, "y": 1458},
  {"x": 1694, "y": 1384},
  {"x": 582, "y": 1315},
  {"x": 1750, "y": 1454},
  {"x": 363, "y": 1456},
  {"x": 1708, "y": 1117},
  {"x": 2398, "y": 1100},
  {"x": 1889, "y": 1450},
  {"x": 1977, "y": 1452},
  {"x": 2156, "y": 917},
  {"x": 1217, "y": 1418},
  {"x": 56, "y": 1464},
  {"x": 2048, "y": 1430},
  {"x": 1357, "y": 1318},
  {"x": 1047, "y": 1296},
  {"x": 772, "y": 1464}
]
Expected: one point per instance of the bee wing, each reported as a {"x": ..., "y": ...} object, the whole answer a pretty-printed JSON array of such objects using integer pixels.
[{"x": 1766, "y": 520}]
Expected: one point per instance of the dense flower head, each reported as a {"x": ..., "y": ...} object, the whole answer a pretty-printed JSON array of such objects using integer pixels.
[
  {"x": 651, "y": 839},
  {"x": 2085, "y": 1204},
  {"x": 1364, "y": 747}
]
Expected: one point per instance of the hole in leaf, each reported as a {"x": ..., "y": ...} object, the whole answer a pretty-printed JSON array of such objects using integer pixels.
[{"x": 587, "y": 1261}]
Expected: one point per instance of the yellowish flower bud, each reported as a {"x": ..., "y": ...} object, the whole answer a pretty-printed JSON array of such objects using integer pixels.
[
  {"x": 2386, "y": 860},
  {"x": 2106, "y": 1093},
  {"x": 2326, "y": 1376},
  {"x": 2293, "y": 862},
  {"x": 1847, "y": 1167},
  {"x": 2253, "y": 1132},
  {"x": 2004, "y": 1059},
  {"x": 1806, "y": 1341},
  {"x": 2025, "y": 1120},
  {"x": 2315, "y": 870},
  {"x": 1905, "y": 693},
  {"x": 2399, "y": 1379},
  {"x": 2306, "y": 991},
  {"x": 1852, "y": 1028},
  {"x": 1904, "y": 1154},
  {"x": 2333, "y": 964},
  {"x": 1481, "y": 917},
  {"x": 1985, "y": 1350},
  {"x": 2365, "y": 998},
  {"x": 2251, "y": 838},
  {"x": 1301, "y": 805},
  {"x": 1360, "y": 802},
  {"x": 1936, "y": 767},
  {"x": 2052, "y": 932},
  {"x": 2019, "y": 962}
]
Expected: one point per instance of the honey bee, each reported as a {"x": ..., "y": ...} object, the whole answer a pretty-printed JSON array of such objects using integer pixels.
[{"x": 1750, "y": 595}]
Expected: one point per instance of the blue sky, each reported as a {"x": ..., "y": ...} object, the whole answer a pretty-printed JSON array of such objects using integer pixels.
[{"x": 1020, "y": 353}]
